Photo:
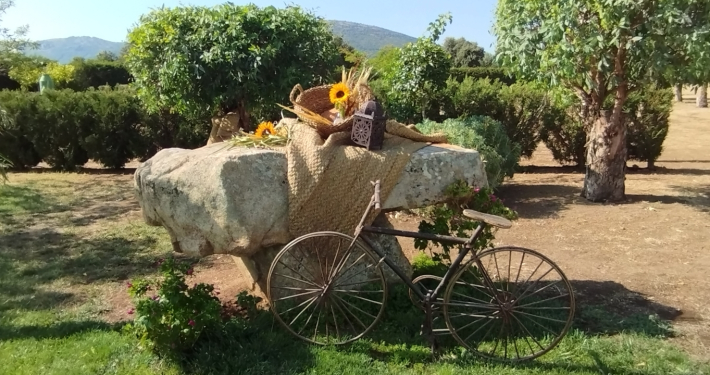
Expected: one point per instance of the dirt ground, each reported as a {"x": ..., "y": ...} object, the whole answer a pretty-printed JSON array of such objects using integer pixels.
[{"x": 650, "y": 254}]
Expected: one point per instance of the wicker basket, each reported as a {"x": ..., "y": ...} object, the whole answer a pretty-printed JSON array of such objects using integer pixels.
[{"x": 317, "y": 99}]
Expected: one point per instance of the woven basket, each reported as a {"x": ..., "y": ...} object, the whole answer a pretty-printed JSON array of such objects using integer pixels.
[{"x": 317, "y": 99}]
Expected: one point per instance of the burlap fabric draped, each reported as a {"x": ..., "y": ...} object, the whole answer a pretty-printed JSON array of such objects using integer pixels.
[{"x": 330, "y": 180}]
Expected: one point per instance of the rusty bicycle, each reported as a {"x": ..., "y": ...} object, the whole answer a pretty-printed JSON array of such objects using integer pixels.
[{"x": 505, "y": 303}]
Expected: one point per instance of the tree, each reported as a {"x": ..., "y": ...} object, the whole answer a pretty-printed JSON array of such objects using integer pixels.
[
  {"x": 27, "y": 69},
  {"x": 421, "y": 70},
  {"x": 106, "y": 56},
  {"x": 12, "y": 43},
  {"x": 464, "y": 54},
  {"x": 601, "y": 49},
  {"x": 349, "y": 56},
  {"x": 98, "y": 72},
  {"x": 201, "y": 61}
]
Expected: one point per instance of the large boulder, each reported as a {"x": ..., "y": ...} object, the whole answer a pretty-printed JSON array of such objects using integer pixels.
[{"x": 234, "y": 200}]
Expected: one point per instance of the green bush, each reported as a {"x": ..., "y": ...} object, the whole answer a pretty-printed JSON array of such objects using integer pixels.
[
  {"x": 483, "y": 72},
  {"x": 485, "y": 135},
  {"x": 520, "y": 107},
  {"x": 95, "y": 73},
  {"x": 114, "y": 134},
  {"x": 646, "y": 114},
  {"x": 67, "y": 128},
  {"x": 447, "y": 219},
  {"x": 172, "y": 319}
]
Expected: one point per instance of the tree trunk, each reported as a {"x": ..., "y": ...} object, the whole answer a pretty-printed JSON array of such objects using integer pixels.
[
  {"x": 678, "y": 89},
  {"x": 606, "y": 159},
  {"x": 244, "y": 122},
  {"x": 701, "y": 100}
]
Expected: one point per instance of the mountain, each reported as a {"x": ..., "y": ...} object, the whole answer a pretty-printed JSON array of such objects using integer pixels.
[
  {"x": 65, "y": 49},
  {"x": 364, "y": 38}
]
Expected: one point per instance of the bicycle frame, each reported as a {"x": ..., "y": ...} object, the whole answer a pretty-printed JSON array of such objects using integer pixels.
[{"x": 466, "y": 247}]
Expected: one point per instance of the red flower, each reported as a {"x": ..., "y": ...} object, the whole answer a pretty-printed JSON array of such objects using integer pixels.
[
  {"x": 131, "y": 311},
  {"x": 128, "y": 284},
  {"x": 189, "y": 272},
  {"x": 191, "y": 322},
  {"x": 493, "y": 198}
]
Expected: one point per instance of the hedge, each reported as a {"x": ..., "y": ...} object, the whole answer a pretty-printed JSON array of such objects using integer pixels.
[
  {"x": 67, "y": 128},
  {"x": 521, "y": 107},
  {"x": 481, "y": 72},
  {"x": 94, "y": 73},
  {"x": 646, "y": 113}
]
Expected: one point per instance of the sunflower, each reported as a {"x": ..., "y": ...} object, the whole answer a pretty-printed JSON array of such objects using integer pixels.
[
  {"x": 339, "y": 93},
  {"x": 265, "y": 127}
]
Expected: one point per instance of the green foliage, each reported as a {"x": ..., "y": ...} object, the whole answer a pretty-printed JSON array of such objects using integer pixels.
[
  {"x": 97, "y": 73},
  {"x": 67, "y": 128},
  {"x": 647, "y": 117},
  {"x": 520, "y": 107},
  {"x": 12, "y": 43},
  {"x": 5, "y": 123},
  {"x": 448, "y": 219},
  {"x": 172, "y": 319},
  {"x": 27, "y": 71},
  {"x": 464, "y": 54},
  {"x": 592, "y": 46},
  {"x": 484, "y": 72},
  {"x": 419, "y": 74},
  {"x": 485, "y": 135},
  {"x": 203, "y": 61},
  {"x": 423, "y": 264}
]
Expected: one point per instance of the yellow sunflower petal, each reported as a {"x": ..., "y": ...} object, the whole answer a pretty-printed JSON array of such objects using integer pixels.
[
  {"x": 339, "y": 93},
  {"x": 265, "y": 127}
]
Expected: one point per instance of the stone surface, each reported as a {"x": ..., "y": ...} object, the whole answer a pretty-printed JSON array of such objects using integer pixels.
[
  {"x": 234, "y": 200},
  {"x": 216, "y": 199}
]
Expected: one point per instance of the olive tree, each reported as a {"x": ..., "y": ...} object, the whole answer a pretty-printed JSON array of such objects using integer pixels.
[
  {"x": 602, "y": 50},
  {"x": 201, "y": 61}
]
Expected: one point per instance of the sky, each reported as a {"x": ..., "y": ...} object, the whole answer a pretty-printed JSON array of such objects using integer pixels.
[{"x": 111, "y": 19}]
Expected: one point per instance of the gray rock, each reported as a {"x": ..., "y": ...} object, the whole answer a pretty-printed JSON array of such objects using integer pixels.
[
  {"x": 216, "y": 199},
  {"x": 234, "y": 200}
]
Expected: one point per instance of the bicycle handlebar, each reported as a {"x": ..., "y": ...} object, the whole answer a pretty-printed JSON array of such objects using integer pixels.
[{"x": 377, "y": 194}]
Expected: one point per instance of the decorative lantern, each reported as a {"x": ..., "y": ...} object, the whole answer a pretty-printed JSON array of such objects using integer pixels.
[{"x": 369, "y": 126}]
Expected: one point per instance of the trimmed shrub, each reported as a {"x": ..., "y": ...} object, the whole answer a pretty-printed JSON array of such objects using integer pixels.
[
  {"x": 483, "y": 72},
  {"x": 114, "y": 134},
  {"x": 485, "y": 135},
  {"x": 520, "y": 107},
  {"x": 67, "y": 128},
  {"x": 646, "y": 114},
  {"x": 94, "y": 73}
]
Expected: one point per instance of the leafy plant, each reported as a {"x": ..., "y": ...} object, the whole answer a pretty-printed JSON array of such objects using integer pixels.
[
  {"x": 420, "y": 73},
  {"x": 4, "y": 162},
  {"x": 603, "y": 50},
  {"x": 208, "y": 61},
  {"x": 484, "y": 135},
  {"x": 169, "y": 315},
  {"x": 448, "y": 219}
]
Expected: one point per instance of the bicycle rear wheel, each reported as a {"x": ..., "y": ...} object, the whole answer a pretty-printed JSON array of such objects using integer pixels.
[
  {"x": 324, "y": 291},
  {"x": 513, "y": 304}
]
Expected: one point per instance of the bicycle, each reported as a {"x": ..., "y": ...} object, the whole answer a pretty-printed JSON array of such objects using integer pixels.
[{"x": 329, "y": 288}]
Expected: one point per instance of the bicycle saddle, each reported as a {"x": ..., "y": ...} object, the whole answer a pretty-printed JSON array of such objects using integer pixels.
[{"x": 493, "y": 220}]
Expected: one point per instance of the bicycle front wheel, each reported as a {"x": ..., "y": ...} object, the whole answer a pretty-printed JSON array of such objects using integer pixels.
[
  {"x": 325, "y": 291},
  {"x": 509, "y": 304}
]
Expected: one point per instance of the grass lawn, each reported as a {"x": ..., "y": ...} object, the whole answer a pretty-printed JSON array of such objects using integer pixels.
[{"x": 69, "y": 243}]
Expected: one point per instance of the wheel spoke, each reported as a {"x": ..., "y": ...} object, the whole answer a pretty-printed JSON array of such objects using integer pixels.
[
  {"x": 297, "y": 295},
  {"x": 364, "y": 299},
  {"x": 301, "y": 304},
  {"x": 304, "y": 309},
  {"x": 540, "y": 325},
  {"x": 529, "y": 334},
  {"x": 524, "y": 296},
  {"x": 354, "y": 307},
  {"x": 295, "y": 279},
  {"x": 544, "y": 300}
]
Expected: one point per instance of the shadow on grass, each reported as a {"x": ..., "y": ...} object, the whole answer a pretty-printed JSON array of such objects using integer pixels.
[
  {"x": 54, "y": 331},
  {"x": 263, "y": 346},
  {"x": 37, "y": 257}
]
